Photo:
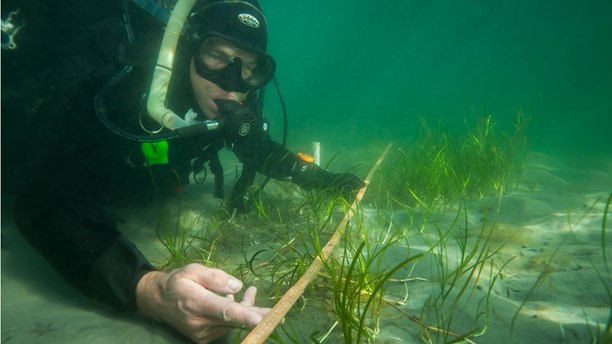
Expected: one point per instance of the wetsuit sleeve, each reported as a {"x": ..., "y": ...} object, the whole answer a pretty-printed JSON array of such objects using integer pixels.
[
  {"x": 259, "y": 153},
  {"x": 81, "y": 243},
  {"x": 61, "y": 212}
]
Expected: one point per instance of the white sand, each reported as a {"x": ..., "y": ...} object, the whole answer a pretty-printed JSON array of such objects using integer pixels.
[{"x": 556, "y": 213}]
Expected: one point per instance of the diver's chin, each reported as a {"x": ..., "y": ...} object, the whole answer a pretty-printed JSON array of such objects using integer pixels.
[{"x": 213, "y": 110}]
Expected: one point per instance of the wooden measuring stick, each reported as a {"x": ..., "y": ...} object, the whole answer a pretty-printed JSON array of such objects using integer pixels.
[{"x": 268, "y": 324}]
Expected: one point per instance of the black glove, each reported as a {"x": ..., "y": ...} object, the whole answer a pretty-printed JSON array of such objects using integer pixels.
[
  {"x": 345, "y": 184},
  {"x": 310, "y": 176},
  {"x": 236, "y": 120}
]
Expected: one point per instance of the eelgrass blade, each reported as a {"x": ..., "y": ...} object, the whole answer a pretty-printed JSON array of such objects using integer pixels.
[{"x": 604, "y": 225}]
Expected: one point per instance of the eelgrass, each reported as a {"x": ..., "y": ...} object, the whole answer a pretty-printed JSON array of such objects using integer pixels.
[
  {"x": 306, "y": 221},
  {"x": 458, "y": 283},
  {"x": 280, "y": 266},
  {"x": 441, "y": 169},
  {"x": 603, "y": 332},
  {"x": 175, "y": 236},
  {"x": 604, "y": 225},
  {"x": 187, "y": 238},
  {"x": 358, "y": 278}
]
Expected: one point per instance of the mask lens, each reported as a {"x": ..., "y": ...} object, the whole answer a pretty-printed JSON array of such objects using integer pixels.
[
  {"x": 262, "y": 73},
  {"x": 216, "y": 55},
  {"x": 220, "y": 60}
]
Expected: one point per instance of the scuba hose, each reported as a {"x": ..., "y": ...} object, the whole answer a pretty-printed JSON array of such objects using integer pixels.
[
  {"x": 99, "y": 105},
  {"x": 101, "y": 112},
  {"x": 283, "y": 107}
]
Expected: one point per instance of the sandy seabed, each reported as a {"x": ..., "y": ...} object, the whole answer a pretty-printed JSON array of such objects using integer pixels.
[{"x": 550, "y": 227}]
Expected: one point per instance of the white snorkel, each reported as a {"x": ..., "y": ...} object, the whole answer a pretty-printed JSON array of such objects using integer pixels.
[{"x": 156, "y": 101}]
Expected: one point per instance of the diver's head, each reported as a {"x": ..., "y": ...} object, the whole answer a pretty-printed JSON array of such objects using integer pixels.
[{"x": 228, "y": 40}]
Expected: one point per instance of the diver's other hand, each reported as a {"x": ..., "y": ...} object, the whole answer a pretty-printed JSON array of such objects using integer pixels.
[
  {"x": 311, "y": 176},
  {"x": 197, "y": 301},
  {"x": 344, "y": 184}
]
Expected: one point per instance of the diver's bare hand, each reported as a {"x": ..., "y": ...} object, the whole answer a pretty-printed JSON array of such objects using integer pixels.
[{"x": 197, "y": 301}]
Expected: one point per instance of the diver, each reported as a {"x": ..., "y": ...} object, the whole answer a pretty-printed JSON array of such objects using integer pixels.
[{"x": 207, "y": 97}]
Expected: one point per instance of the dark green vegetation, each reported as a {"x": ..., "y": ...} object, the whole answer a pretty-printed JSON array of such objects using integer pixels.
[
  {"x": 442, "y": 169},
  {"x": 409, "y": 259},
  {"x": 367, "y": 281},
  {"x": 604, "y": 335}
]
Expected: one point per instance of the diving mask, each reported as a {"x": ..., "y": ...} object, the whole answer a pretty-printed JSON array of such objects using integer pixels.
[{"x": 233, "y": 69}]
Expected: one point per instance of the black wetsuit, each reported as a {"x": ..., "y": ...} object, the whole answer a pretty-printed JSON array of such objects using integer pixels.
[{"x": 87, "y": 167}]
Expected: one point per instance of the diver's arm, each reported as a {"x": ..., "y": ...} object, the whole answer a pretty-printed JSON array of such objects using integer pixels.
[
  {"x": 83, "y": 246},
  {"x": 281, "y": 163},
  {"x": 261, "y": 154}
]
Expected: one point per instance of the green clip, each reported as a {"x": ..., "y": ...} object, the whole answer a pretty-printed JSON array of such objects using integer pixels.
[{"x": 156, "y": 153}]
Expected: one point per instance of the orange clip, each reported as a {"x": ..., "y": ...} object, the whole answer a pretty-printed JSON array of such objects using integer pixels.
[{"x": 305, "y": 157}]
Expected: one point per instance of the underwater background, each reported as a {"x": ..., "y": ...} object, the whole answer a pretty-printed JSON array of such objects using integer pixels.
[
  {"x": 370, "y": 69},
  {"x": 362, "y": 73}
]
